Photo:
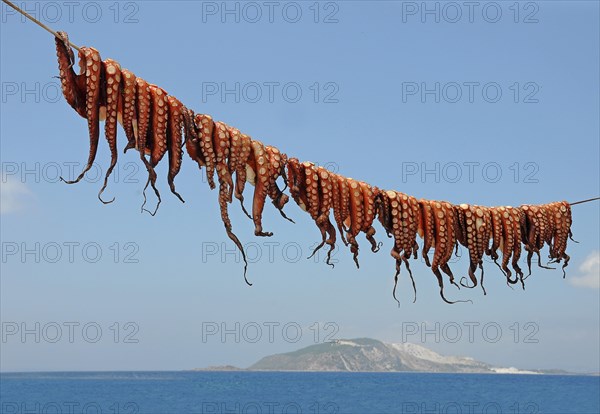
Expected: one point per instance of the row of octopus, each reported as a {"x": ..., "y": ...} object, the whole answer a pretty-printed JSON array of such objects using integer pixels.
[{"x": 156, "y": 124}]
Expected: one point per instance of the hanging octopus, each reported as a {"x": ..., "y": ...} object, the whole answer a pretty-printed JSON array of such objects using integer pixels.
[
  {"x": 174, "y": 141},
  {"x": 353, "y": 221},
  {"x": 157, "y": 124},
  {"x": 402, "y": 221},
  {"x": 496, "y": 239},
  {"x": 536, "y": 224},
  {"x": 82, "y": 91},
  {"x": 438, "y": 228},
  {"x": 312, "y": 188},
  {"x": 558, "y": 230}
]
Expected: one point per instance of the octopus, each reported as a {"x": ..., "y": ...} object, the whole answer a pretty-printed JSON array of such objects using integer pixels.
[
  {"x": 341, "y": 203},
  {"x": 353, "y": 221},
  {"x": 277, "y": 161},
  {"x": 475, "y": 237},
  {"x": 128, "y": 108},
  {"x": 439, "y": 229},
  {"x": 492, "y": 250},
  {"x": 72, "y": 85},
  {"x": 221, "y": 144},
  {"x": 536, "y": 227},
  {"x": 320, "y": 182},
  {"x": 156, "y": 124},
  {"x": 112, "y": 73},
  {"x": 369, "y": 196},
  {"x": 560, "y": 236},
  {"x": 258, "y": 174},
  {"x": 82, "y": 91},
  {"x": 404, "y": 210},
  {"x": 398, "y": 216},
  {"x": 143, "y": 121},
  {"x": 241, "y": 146},
  {"x": 297, "y": 183},
  {"x": 174, "y": 141},
  {"x": 559, "y": 230}
]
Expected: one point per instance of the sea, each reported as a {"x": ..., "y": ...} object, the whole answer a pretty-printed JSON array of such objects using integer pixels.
[{"x": 296, "y": 392}]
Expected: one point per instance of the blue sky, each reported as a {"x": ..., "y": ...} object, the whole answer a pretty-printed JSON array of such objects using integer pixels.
[{"x": 347, "y": 91}]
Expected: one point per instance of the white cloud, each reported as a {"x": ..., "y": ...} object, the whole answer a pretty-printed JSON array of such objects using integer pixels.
[
  {"x": 13, "y": 195},
  {"x": 590, "y": 272}
]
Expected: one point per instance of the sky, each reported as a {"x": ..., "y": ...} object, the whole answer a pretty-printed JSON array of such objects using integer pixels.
[{"x": 491, "y": 104}]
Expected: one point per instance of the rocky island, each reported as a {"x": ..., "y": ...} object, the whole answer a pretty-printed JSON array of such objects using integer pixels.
[{"x": 371, "y": 355}]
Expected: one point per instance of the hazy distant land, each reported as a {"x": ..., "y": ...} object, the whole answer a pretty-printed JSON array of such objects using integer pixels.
[{"x": 371, "y": 355}]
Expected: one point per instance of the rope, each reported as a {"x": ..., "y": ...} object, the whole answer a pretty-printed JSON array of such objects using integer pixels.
[
  {"x": 43, "y": 26},
  {"x": 36, "y": 21},
  {"x": 585, "y": 201}
]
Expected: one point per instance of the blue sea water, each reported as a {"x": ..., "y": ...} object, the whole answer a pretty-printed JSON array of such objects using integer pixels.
[{"x": 286, "y": 392}]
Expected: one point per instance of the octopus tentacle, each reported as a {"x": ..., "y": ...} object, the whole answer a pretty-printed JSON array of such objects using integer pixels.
[
  {"x": 532, "y": 234},
  {"x": 472, "y": 217},
  {"x": 112, "y": 71},
  {"x": 466, "y": 238},
  {"x": 144, "y": 110},
  {"x": 312, "y": 188},
  {"x": 444, "y": 221},
  {"x": 507, "y": 242},
  {"x": 450, "y": 242},
  {"x": 223, "y": 201},
  {"x": 518, "y": 231},
  {"x": 277, "y": 161},
  {"x": 414, "y": 221},
  {"x": 401, "y": 230},
  {"x": 241, "y": 172},
  {"x": 238, "y": 157},
  {"x": 72, "y": 85},
  {"x": 259, "y": 165},
  {"x": 297, "y": 183},
  {"x": 390, "y": 202},
  {"x": 221, "y": 145},
  {"x": 546, "y": 232},
  {"x": 483, "y": 228},
  {"x": 428, "y": 229},
  {"x": 156, "y": 139},
  {"x": 552, "y": 209},
  {"x": 325, "y": 195},
  {"x": 384, "y": 212},
  {"x": 461, "y": 236},
  {"x": 496, "y": 236},
  {"x": 536, "y": 228},
  {"x": 91, "y": 68},
  {"x": 235, "y": 149},
  {"x": 369, "y": 194},
  {"x": 354, "y": 219},
  {"x": 562, "y": 231},
  {"x": 315, "y": 198},
  {"x": 545, "y": 228},
  {"x": 174, "y": 140},
  {"x": 548, "y": 212},
  {"x": 192, "y": 143},
  {"x": 344, "y": 189},
  {"x": 337, "y": 205},
  {"x": 441, "y": 227},
  {"x": 129, "y": 112},
  {"x": 567, "y": 223},
  {"x": 410, "y": 209},
  {"x": 206, "y": 127},
  {"x": 394, "y": 253}
]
